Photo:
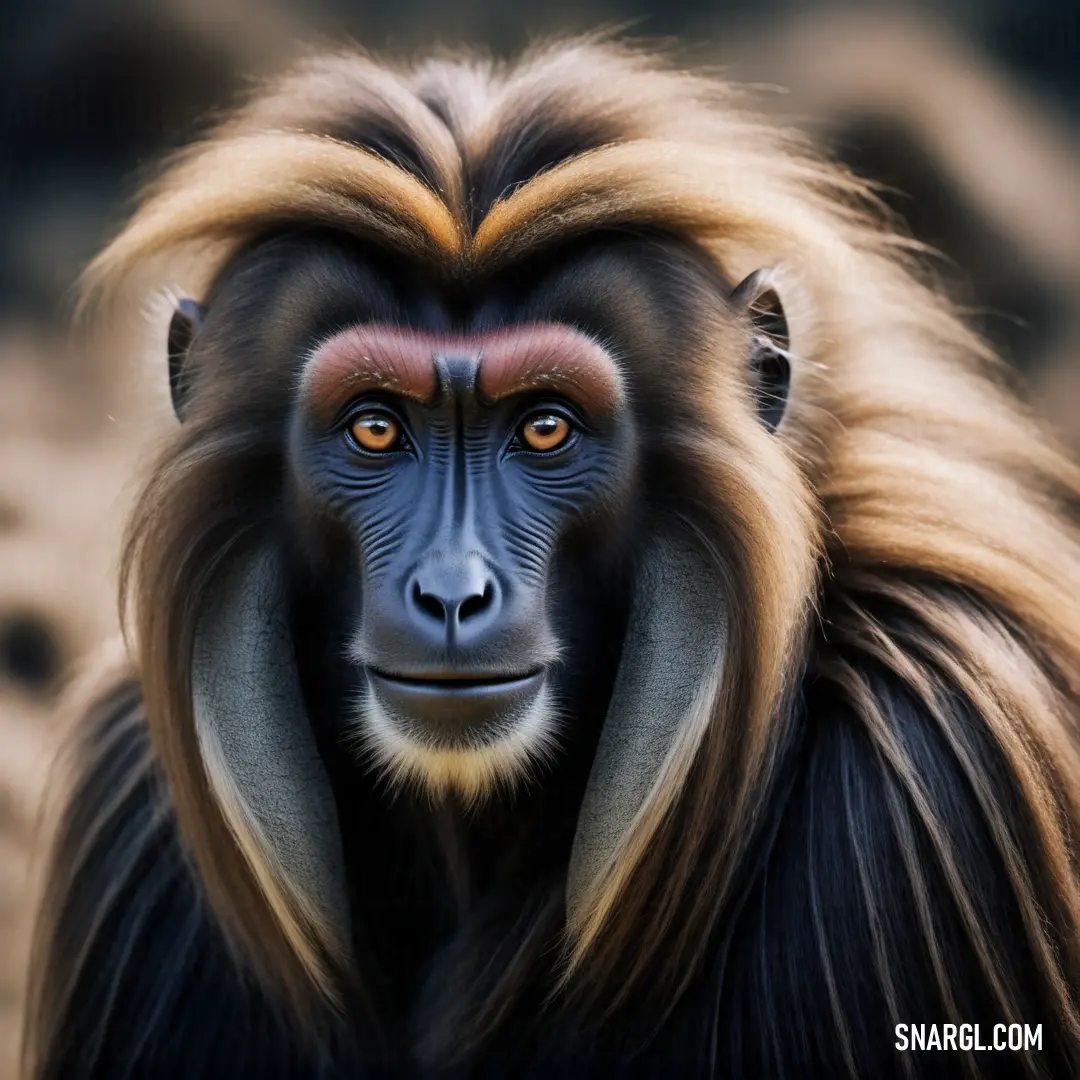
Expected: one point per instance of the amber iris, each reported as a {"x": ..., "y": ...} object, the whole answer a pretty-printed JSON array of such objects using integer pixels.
[
  {"x": 545, "y": 431},
  {"x": 376, "y": 432}
]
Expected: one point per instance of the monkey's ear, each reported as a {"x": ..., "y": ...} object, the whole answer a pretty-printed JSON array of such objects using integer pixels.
[
  {"x": 186, "y": 322},
  {"x": 770, "y": 365},
  {"x": 665, "y": 691}
]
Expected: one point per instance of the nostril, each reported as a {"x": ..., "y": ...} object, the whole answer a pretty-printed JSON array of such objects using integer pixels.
[
  {"x": 474, "y": 605},
  {"x": 447, "y": 593},
  {"x": 429, "y": 604}
]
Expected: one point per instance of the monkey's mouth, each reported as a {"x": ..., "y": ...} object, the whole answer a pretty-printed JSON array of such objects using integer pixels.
[
  {"x": 448, "y": 708},
  {"x": 452, "y": 682}
]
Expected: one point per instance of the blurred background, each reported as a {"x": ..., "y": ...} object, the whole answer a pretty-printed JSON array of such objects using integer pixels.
[{"x": 968, "y": 111}]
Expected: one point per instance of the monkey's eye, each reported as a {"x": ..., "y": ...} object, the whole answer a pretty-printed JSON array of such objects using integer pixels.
[
  {"x": 376, "y": 432},
  {"x": 544, "y": 432}
]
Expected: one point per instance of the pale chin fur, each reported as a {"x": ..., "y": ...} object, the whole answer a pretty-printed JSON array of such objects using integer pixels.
[{"x": 473, "y": 774}]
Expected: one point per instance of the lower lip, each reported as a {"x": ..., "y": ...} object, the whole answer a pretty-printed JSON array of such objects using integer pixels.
[{"x": 448, "y": 713}]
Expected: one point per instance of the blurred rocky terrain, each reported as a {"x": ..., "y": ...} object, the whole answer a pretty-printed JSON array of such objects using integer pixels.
[
  {"x": 968, "y": 118},
  {"x": 978, "y": 164},
  {"x": 64, "y": 469}
]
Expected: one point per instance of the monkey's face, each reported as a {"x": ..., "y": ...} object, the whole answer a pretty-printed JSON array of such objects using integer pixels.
[
  {"x": 465, "y": 468},
  {"x": 463, "y": 474}
]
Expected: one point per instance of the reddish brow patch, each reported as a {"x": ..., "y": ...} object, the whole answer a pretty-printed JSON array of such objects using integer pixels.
[
  {"x": 550, "y": 357},
  {"x": 394, "y": 360},
  {"x": 364, "y": 359}
]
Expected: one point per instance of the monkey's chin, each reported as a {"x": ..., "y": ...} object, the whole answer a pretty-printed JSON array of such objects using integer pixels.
[{"x": 456, "y": 737}]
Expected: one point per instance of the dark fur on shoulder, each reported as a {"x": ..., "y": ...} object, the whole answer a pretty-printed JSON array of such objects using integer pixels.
[{"x": 165, "y": 988}]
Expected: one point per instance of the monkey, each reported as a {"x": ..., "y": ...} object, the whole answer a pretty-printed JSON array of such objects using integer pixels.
[{"x": 600, "y": 612}]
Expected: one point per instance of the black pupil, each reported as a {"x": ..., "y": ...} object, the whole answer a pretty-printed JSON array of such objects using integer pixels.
[{"x": 545, "y": 425}]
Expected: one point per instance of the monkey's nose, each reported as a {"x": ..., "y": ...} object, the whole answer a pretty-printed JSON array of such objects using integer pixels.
[{"x": 449, "y": 596}]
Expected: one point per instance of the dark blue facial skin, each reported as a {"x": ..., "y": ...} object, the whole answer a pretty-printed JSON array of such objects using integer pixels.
[{"x": 462, "y": 546}]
